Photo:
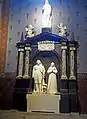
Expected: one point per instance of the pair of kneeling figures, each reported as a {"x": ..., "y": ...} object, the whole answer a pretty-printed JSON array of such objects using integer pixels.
[{"x": 39, "y": 74}]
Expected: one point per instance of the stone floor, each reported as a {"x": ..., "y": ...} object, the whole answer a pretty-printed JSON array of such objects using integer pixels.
[{"x": 23, "y": 115}]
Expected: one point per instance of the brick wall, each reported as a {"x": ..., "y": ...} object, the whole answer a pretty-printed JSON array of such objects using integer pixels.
[{"x": 3, "y": 32}]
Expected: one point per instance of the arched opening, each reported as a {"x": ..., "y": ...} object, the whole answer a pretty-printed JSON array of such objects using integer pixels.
[{"x": 46, "y": 57}]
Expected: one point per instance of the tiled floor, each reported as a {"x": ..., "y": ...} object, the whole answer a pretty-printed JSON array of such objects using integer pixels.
[{"x": 23, "y": 115}]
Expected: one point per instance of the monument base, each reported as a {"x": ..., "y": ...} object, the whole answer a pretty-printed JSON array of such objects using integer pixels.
[{"x": 43, "y": 103}]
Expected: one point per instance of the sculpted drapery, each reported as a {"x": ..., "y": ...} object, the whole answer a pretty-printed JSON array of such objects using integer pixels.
[
  {"x": 52, "y": 79},
  {"x": 38, "y": 75}
]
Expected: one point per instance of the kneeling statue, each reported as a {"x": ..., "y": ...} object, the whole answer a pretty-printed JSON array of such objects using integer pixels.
[{"x": 52, "y": 79}]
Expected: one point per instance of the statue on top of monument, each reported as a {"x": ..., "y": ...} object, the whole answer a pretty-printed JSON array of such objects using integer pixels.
[
  {"x": 62, "y": 30},
  {"x": 46, "y": 15},
  {"x": 29, "y": 31}
]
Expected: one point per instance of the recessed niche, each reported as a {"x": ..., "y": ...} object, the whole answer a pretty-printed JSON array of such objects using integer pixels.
[
  {"x": 27, "y": 15},
  {"x": 19, "y": 10},
  {"x": 12, "y": 16},
  {"x": 10, "y": 40},
  {"x": 78, "y": 26},
  {"x": 86, "y": 31},
  {"x": 76, "y": 1},
  {"x": 19, "y": 21},
  {"x": 85, "y": 18},
  {"x": 11, "y": 27},
  {"x": 9, "y": 52},
  {"x": 68, "y": 8},
  {"x": 77, "y": 38},
  {"x": 8, "y": 65},
  {"x": 60, "y": 13},
  {"x": 35, "y": 9},
  {"x": 18, "y": 33},
  {"x": 85, "y": 6},
  {"x": 60, "y": 1},
  {"x": 77, "y": 13},
  {"x": 35, "y": 20},
  {"x": 68, "y": 19}
]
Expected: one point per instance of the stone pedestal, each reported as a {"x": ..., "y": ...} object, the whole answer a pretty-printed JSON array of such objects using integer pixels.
[
  {"x": 43, "y": 103},
  {"x": 73, "y": 96},
  {"x": 64, "y": 103}
]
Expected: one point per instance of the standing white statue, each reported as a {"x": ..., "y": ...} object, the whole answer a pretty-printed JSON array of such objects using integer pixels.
[
  {"x": 46, "y": 15},
  {"x": 52, "y": 79},
  {"x": 38, "y": 75},
  {"x": 62, "y": 30}
]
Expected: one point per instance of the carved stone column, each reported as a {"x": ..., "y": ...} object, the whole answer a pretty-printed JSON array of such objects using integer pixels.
[
  {"x": 27, "y": 56},
  {"x": 64, "y": 58},
  {"x": 20, "y": 64},
  {"x": 72, "y": 63}
]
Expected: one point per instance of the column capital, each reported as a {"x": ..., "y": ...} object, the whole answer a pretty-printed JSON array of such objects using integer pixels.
[
  {"x": 21, "y": 49},
  {"x": 63, "y": 47},
  {"x": 28, "y": 48},
  {"x": 72, "y": 48}
]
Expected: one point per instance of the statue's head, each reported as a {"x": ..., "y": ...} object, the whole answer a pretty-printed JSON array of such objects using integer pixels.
[
  {"x": 61, "y": 24},
  {"x": 38, "y": 62},
  {"x": 52, "y": 64},
  {"x": 46, "y": 2},
  {"x": 31, "y": 27},
  {"x": 26, "y": 28}
]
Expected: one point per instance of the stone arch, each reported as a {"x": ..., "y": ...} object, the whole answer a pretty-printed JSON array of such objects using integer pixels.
[{"x": 46, "y": 58}]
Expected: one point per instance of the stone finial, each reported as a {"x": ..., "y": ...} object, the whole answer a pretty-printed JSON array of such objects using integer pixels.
[
  {"x": 22, "y": 37},
  {"x": 29, "y": 31},
  {"x": 72, "y": 36}
]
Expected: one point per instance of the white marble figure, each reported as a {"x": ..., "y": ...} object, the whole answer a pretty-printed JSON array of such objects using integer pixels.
[
  {"x": 38, "y": 75},
  {"x": 46, "y": 15},
  {"x": 29, "y": 31},
  {"x": 62, "y": 30},
  {"x": 52, "y": 79}
]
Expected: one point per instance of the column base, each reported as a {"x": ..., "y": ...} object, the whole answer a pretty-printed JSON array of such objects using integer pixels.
[
  {"x": 72, "y": 78},
  {"x": 64, "y": 77},
  {"x": 19, "y": 77},
  {"x": 26, "y": 76}
]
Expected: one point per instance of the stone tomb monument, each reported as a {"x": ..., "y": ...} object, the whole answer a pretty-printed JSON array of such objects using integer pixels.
[
  {"x": 48, "y": 64},
  {"x": 47, "y": 48}
]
